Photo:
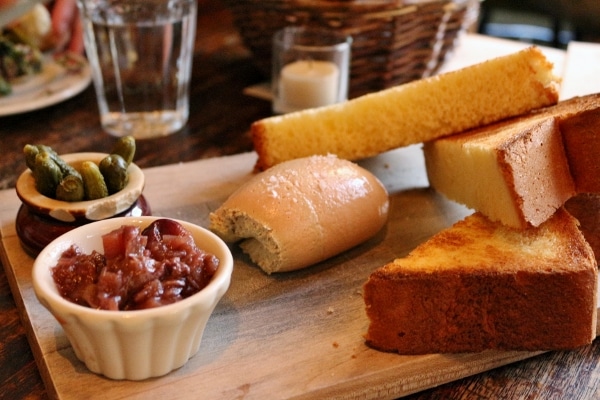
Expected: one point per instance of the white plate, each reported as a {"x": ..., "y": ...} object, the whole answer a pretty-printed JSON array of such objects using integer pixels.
[{"x": 54, "y": 84}]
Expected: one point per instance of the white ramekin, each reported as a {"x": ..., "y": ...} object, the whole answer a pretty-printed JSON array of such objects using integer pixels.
[{"x": 132, "y": 345}]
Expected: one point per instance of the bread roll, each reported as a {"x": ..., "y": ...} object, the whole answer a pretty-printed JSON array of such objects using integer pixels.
[{"x": 302, "y": 212}]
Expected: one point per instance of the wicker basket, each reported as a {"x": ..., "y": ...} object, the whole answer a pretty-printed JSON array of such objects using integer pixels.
[{"x": 393, "y": 41}]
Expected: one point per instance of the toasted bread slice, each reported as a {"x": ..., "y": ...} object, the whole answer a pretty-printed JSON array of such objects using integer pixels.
[
  {"x": 481, "y": 285},
  {"x": 411, "y": 113},
  {"x": 519, "y": 171}
]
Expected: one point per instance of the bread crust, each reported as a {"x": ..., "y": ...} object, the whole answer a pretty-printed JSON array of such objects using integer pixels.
[
  {"x": 480, "y": 285},
  {"x": 585, "y": 207},
  {"x": 258, "y": 133},
  {"x": 581, "y": 135},
  {"x": 302, "y": 212}
]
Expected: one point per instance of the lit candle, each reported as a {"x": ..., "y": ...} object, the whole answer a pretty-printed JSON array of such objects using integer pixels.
[{"x": 308, "y": 83}]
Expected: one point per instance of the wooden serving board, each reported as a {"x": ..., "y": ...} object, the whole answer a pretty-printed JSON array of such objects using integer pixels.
[{"x": 292, "y": 335}]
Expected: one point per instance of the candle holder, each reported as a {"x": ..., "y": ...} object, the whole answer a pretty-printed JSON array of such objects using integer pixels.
[{"x": 310, "y": 68}]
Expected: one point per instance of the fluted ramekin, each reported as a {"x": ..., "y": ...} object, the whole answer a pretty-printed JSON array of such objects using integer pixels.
[{"x": 132, "y": 345}]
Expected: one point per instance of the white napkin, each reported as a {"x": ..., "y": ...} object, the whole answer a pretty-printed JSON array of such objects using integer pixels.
[{"x": 581, "y": 70}]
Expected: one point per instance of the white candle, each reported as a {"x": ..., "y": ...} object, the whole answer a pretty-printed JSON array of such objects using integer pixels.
[{"x": 308, "y": 83}]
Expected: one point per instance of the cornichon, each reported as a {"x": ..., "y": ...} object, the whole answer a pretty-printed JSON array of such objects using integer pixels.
[
  {"x": 31, "y": 151},
  {"x": 114, "y": 170},
  {"x": 46, "y": 174},
  {"x": 125, "y": 147},
  {"x": 65, "y": 168},
  {"x": 71, "y": 189},
  {"x": 55, "y": 178},
  {"x": 93, "y": 181}
]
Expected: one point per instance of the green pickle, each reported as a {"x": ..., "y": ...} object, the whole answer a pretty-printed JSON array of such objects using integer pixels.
[
  {"x": 114, "y": 170},
  {"x": 65, "y": 168},
  {"x": 125, "y": 147},
  {"x": 93, "y": 181},
  {"x": 47, "y": 175},
  {"x": 55, "y": 178},
  {"x": 71, "y": 189},
  {"x": 31, "y": 152}
]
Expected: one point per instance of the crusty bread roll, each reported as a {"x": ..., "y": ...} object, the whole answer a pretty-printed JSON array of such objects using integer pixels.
[
  {"x": 415, "y": 112},
  {"x": 302, "y": 212},
  {"x": 480, "y": 285}
]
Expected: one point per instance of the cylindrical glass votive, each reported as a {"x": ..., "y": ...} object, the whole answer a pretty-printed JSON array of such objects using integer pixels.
[{"x": 311, "y": 68}]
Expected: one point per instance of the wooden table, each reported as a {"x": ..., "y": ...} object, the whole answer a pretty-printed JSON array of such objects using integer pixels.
[{"x": 220, "y": 116}]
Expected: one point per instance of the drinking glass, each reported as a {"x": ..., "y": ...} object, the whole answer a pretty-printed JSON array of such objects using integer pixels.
[{"x": 140, "y": 52}]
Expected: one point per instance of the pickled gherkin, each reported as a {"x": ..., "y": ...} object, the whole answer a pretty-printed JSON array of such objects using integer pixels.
[
  {"x": 71, "y": 189},
  {"x": 65, "y": 168},
  {"x": 93, "y": 181},
  {"x": 125, "y": 147},
  {"x": 31, "y": 152},
  {"x": 46, "y": 174},
  {"x": 57, "y": 179},
  {"x": 114, "y": 170}
]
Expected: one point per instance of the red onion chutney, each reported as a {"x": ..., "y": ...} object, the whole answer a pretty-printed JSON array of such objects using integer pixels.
[{"x": 138, "y": 270}]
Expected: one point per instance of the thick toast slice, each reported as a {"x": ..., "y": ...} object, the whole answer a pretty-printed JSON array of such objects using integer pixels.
[{"x": 481, "y": 285}]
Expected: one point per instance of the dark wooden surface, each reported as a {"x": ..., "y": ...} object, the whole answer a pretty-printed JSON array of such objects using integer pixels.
[{"x": 220, "y": 117}]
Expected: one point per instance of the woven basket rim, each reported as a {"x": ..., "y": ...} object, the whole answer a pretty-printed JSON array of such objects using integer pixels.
[{"x": 394, "y": 41}]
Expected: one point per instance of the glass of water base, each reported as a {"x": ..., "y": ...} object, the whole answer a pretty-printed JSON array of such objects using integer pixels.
[{"x": 141, "y": 55}]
